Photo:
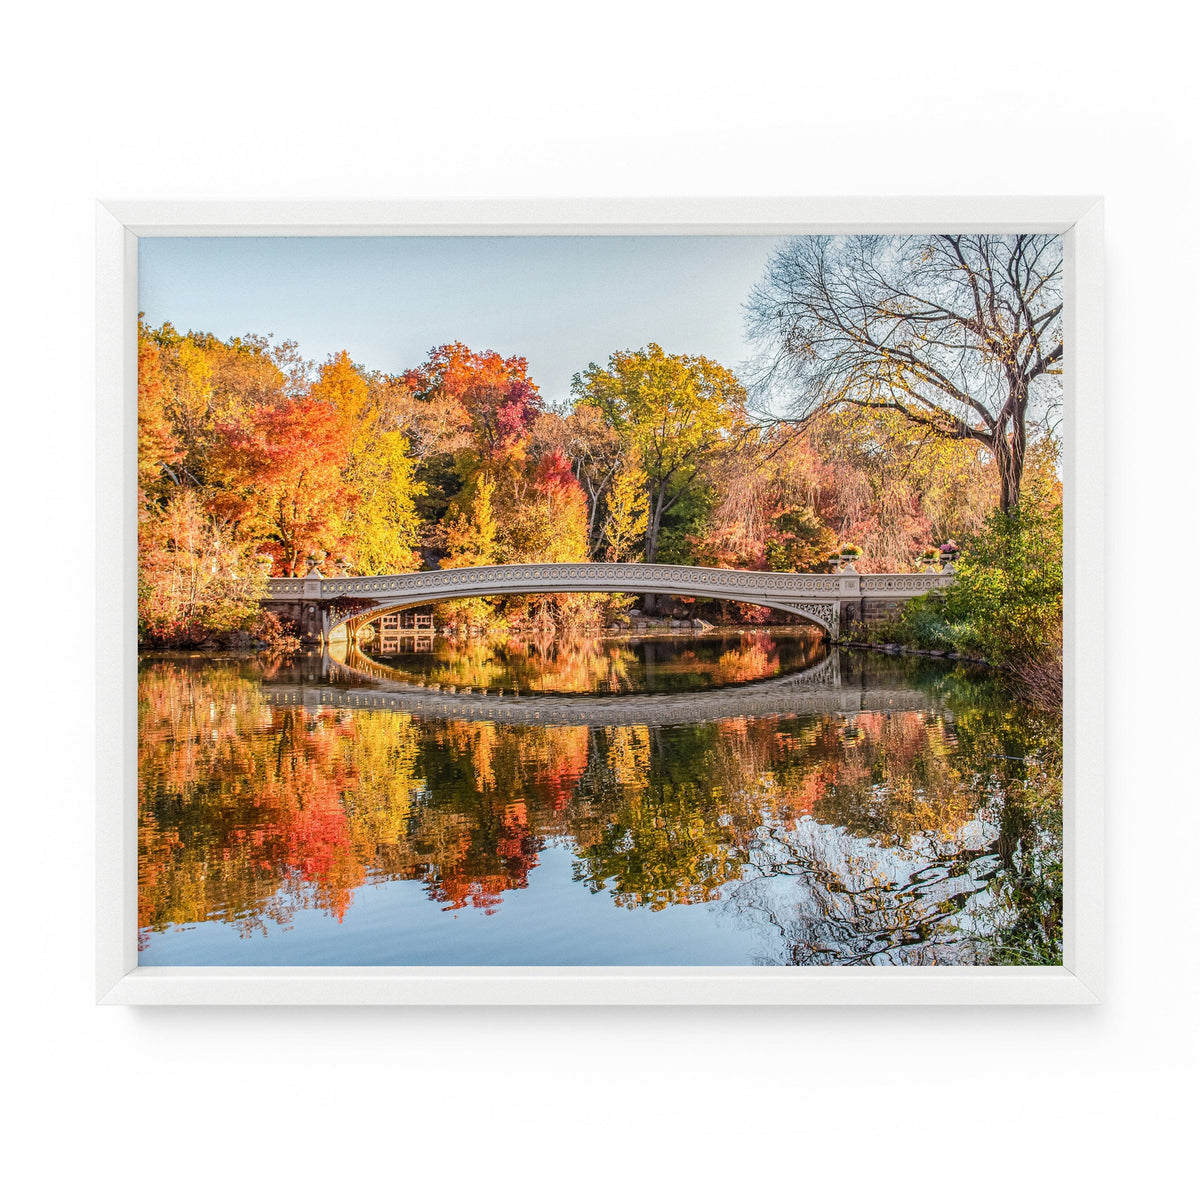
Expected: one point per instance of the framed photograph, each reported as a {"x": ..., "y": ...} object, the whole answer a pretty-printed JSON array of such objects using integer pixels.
[{"x": 600, "y": 601}]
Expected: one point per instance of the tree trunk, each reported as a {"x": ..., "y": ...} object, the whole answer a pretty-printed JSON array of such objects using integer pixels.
[
  {"x": 1009, "y": 447},
  {"x": 653, "y": 528},
  {"x": 1010, "y": 461}
]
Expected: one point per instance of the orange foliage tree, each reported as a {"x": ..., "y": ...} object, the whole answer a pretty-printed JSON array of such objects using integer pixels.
[
  {"x": 487, "y": 394},
  {"x": 284, "y": 489}
]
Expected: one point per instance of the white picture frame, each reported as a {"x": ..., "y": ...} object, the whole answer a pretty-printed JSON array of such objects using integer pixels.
[{"x": 119, "y": 979}]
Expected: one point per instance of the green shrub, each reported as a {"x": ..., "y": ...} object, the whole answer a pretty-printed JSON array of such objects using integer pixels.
[
  {"x": 1005, "y": 604},
  {"x": 1006, "y": 601}
]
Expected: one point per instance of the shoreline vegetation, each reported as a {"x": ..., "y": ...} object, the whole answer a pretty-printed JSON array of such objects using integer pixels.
[
  {"x": 255, "y": 463},
  {"x": 1004, "y": 607},
  {"x": 903, "y": 397}
]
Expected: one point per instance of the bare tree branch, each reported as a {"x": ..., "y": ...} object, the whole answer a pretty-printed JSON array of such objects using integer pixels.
[{"x": 951, "y": 331}]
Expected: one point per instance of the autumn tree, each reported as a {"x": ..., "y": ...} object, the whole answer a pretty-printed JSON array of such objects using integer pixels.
[
  {"x": 628, "y": 509},
  {"x": 480, "y": 391},
  {"x": 895, "y": 488},
  {"x": 158, "y": 450},
  {"x": 678, "y": 412},
  {"x": 547, "y": 516},
  {"x": 769, "y": 511},
  {"x": 438, "y": 431},
  {"x": 381, "y": 525},
  {"x": 960, "y": 335},
  {"x": 594, "y": 450},
  {"x": 471, "y": 413},
  {"x": 188, "y": 400},
  {"x": 209, "y": 383},
  {"x": 196, "y": 579},
  {"x": 471, "y": 534},
  {"x": 284, "y": 486}
]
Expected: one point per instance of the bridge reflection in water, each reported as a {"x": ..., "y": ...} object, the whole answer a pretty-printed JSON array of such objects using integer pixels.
[
  {"x": 356, "y": 681},
  {"x": 400, "y": 641},
  {"x": 831, "y": 815}
]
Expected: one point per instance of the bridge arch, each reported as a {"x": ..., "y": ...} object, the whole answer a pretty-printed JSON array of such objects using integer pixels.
[
  {"x": 825, "y": 616},
  {"x": 820, "y": 599}
]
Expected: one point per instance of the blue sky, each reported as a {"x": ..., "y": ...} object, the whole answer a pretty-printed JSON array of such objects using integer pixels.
[{"x": 561, "y": 302}]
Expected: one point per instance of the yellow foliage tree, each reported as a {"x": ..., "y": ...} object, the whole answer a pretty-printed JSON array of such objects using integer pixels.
[
  {"x": 628, "y": 509},
  {"x": 382, "y": 526},
  {"x": 471, "y": 536},
  {"x": 679, "y": 412}
]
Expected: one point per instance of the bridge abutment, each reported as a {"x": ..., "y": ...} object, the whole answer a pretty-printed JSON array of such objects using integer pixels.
[{"x": 309, "y": 618}]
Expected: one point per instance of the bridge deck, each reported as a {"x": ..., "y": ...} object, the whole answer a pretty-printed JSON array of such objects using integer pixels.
[{"x": 817, "y": 597}]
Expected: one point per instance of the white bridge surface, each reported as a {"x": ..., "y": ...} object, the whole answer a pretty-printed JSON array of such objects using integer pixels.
[{"x": 816, "y": 597}]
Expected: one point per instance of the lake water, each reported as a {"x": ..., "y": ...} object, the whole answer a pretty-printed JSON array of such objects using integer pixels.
[{"x": 737, "y": 798}]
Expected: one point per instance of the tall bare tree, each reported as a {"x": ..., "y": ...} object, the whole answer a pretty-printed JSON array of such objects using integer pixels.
[{"x": 960, "y": 334}]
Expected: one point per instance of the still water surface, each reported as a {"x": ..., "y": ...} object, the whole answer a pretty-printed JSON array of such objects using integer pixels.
[{"x": 738, "y": 798}]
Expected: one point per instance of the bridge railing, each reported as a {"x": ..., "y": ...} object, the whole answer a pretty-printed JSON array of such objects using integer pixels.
[{"x": 617, "y": 577}]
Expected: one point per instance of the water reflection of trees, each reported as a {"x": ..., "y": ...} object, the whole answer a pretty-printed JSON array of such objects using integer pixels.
[
  {"x": 900, "y": 836},
  {"x": 598, "y": 666},
  {"x": 246, "y": 811},
  {"x": 831, "y": 897},
  {"x": 936, "y": 841}
]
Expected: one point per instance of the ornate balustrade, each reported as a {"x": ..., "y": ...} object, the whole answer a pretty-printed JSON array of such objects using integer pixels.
[{"x": 817, "y": 597}]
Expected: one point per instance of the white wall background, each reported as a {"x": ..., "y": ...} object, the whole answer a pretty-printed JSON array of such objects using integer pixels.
[{"x": 316, "y": 100}]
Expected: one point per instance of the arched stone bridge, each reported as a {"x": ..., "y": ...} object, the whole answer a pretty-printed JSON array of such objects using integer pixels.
[{"x": 333, "y": 608}]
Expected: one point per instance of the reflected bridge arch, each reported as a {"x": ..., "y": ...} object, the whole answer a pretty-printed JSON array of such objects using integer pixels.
[{"x": 357, "y": 682}]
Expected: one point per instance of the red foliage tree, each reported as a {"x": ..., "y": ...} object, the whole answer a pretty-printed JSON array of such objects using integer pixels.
[{"x": 491, "y": 396}]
